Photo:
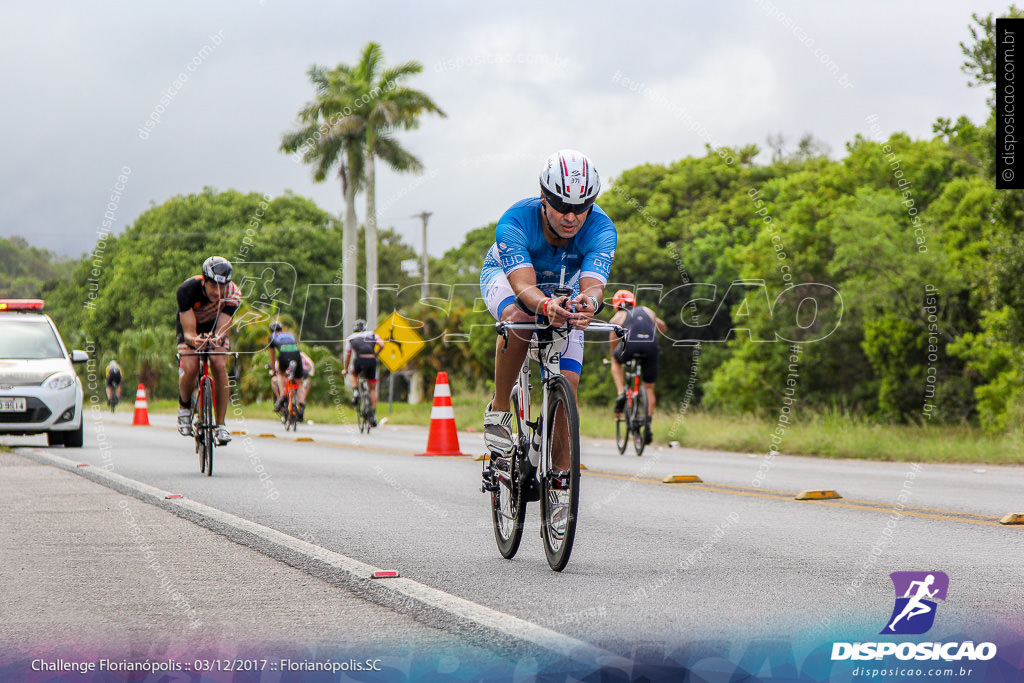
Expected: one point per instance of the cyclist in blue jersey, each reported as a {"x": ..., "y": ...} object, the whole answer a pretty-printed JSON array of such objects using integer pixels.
[{"x": 560, "y": 237}]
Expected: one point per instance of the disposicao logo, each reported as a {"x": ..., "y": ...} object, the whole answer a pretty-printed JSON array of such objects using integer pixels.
[
  {"x": 914, "y": 614},
  {"x": 916, "y": 592}
]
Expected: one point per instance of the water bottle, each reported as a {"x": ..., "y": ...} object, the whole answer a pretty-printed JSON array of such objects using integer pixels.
[{"x": 535, "y": 443}]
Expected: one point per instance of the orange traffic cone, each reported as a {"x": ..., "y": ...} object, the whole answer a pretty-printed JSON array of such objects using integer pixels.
[
  {"x": 141, "y": 412},
  {"x": 443, "y": 438}
]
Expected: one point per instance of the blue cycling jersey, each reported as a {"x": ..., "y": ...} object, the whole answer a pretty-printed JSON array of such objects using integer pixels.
[
  {"x": 285, "y": 342},
  {"x": 520, "y": 243}
]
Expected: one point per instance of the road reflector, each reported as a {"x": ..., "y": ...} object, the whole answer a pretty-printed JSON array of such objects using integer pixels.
[
  {"x": 304, "y": 438},
  {"x": 82, "y": 464},
  {"x": 1013, "y": 518},
  {"x": 582, "y": 466},
  {"x": 268, "y": 436},
  {"x": 821, "y": 494},
  {"x": 239, "y": 432},
  {"x": 481, "y": 457},
  {"x": 682, "y": 479},
  {"x": 172, "y": 495},
  {"x": 390, "y": 574}
]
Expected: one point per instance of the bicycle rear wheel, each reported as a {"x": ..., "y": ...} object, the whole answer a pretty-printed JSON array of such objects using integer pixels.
[
  {"x": 508, "y": 510},
  {"x": 640, "y": 421},
  {"x": 560, "y": 496},
  {"x": 207, "y": 426},
  {"x": 365, "y": 409}
]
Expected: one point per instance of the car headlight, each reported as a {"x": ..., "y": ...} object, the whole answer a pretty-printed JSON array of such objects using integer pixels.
[{"x": 62, "y": 380}]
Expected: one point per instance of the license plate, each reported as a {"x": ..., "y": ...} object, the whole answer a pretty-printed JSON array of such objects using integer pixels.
[{"x": 12, "y": 405}]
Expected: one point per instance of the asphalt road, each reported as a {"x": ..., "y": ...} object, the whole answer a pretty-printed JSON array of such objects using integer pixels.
[{"x": 656, "y": 567}]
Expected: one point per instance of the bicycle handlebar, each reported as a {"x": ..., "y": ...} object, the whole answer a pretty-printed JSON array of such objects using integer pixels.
[
  {"x": 208, "y": 353},
  {"x": 502, "y": 326}
]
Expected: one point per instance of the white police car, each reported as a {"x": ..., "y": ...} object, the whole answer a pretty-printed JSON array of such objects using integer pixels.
[{"x": 39, "y": 390}]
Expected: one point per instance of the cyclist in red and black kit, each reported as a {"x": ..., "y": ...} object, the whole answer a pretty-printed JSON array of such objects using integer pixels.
[{"x": 205, "y": 305}]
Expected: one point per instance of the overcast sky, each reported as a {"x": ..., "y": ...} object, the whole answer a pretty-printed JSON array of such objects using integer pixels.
[{"x": 517, "y": 82}]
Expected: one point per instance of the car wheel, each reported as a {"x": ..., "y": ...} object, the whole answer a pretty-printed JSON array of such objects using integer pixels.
[
  {"x": 74, "y": 439},
  {"x": 55, "y": 438}
]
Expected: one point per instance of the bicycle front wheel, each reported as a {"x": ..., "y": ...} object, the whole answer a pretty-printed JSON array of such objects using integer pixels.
[
  {"x": 640, "y": 421},
  {"x": 622, "y": 430},
  {"x": 560, "y": 490},
  {"x": 197, "y": 433},
  {"x": 208, "y": 426},
  {"x": 508, "y": 509}
]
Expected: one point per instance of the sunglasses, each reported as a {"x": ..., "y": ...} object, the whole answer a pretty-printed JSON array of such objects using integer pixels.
[{"x": 565, "y": 207}]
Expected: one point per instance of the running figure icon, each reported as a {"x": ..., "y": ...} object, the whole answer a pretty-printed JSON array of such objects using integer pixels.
[{"x": 916, "y": 594}]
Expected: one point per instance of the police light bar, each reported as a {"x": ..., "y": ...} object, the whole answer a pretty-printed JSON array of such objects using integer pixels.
[{"x": 21, "y": 304}]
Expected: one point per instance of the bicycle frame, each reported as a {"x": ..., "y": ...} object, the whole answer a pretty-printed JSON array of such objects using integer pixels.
[
  {"x": 205, "y": 431},
  {"x": 546, "y": 348},
  {"x": 536, "y": 442}
]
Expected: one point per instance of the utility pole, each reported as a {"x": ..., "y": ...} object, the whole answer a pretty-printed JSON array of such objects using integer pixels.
[{"x": 426, "y": 279}]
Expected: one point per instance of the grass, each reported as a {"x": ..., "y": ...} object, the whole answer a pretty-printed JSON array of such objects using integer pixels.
[{"x": 829, "y": 435}]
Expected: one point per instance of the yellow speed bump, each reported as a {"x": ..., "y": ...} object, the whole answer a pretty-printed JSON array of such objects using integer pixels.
[
  {"x": 682, "y": 479},
  {"x": 823, "y": 494},
  {"x": 1014, "y": 518},
  {"x": 268, "y": 436},
  {"x": 304, "y": 438}
]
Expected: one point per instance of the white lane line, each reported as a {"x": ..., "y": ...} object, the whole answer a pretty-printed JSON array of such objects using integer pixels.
[{"x": 425, "y": 603}]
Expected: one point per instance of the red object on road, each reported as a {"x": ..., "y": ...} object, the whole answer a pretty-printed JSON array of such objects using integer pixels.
[
  {"x": 141, "y": 411},
  {"x": 443, "y": 438}
]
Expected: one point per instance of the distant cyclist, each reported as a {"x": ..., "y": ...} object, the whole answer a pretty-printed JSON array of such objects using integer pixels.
[
  {"x": 365, "y": 344},
  {"x": 205, "y": 305},
  {"x": 114, "y": 380},
  {"x": 284, "y": 351},
  {"x": 641, "y": 341},
  {"x": 308, "y": 370},
  {"x": 560, "y": 236}
]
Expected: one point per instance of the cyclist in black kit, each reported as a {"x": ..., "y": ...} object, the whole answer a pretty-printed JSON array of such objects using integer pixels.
[
  {"x": 366, "y": 344},
  {"x": 205, "y": 305},
  {"x": 641, "y": 341}
]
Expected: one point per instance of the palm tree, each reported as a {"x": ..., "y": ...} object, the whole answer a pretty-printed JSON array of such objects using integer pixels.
[
  {"x": 389, "y": 107},
  {"x": 329, "y": 136},
  {"x": 144, "y": 352},
  {"x": 351, "y": 123}
]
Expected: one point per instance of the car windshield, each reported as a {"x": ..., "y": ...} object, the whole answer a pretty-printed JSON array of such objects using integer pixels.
[{"x": 28, "y": 340}]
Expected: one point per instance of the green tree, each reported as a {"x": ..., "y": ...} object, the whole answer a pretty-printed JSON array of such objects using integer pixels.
[{"x": 28, "y": 272}]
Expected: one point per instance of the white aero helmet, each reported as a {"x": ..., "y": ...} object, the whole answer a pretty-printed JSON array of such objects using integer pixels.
[{"x": 569, "y": 181}]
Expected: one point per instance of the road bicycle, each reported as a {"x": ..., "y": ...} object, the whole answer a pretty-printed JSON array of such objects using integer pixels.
[
  {"x": 631, "y": 423},
  {"x": 535, "y": 440},
  {"x": 204, "y": 423},
  {"x": 290, "y": 411},
  {"x": 364, "y": 407}
]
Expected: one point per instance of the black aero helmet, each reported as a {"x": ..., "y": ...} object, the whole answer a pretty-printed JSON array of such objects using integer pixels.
[
  {"x": 218, "y": 269},
  {"x": 359, "y": 325}
]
